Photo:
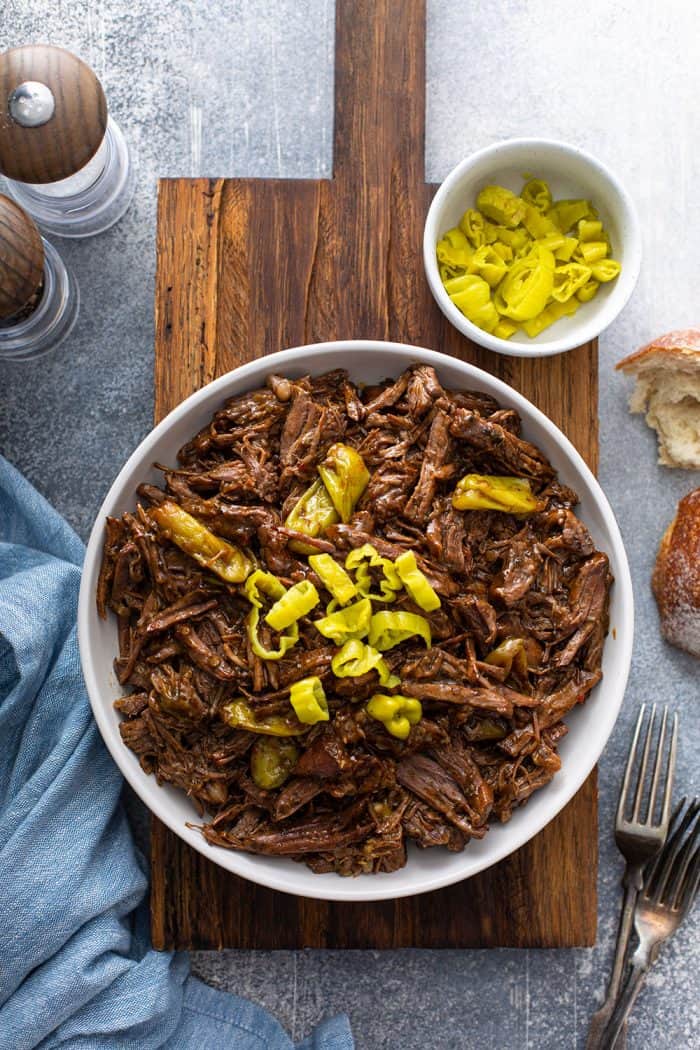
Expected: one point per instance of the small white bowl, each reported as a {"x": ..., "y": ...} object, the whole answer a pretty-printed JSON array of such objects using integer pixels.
[
  {"x": 590, "y": 723},
  {"x": 571, "y": 173}
]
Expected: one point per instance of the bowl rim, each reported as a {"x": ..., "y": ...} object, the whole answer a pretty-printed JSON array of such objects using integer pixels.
[
  {"x": 375, "y": 887},
  {"x": 599, "y": 320}
]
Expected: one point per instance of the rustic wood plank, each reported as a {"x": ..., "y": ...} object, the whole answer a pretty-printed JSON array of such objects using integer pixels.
[{"x": 246, "y": 267}]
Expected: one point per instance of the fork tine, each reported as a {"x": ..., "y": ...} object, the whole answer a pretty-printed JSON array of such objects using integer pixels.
[
  {"x": 624, "y": 788},
  {"x": 677, "y": 825},
  {"x": 656, "y": 775},
  {"x": 639, "y": 795},
  {"x": 669, "y": 855},
  {"x": 676, "y": 882},
  {"x": 690, "y": 890},
  {"x": 670, "y": 773}
]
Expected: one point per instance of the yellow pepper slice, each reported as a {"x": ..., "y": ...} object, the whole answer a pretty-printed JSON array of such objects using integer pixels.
[
  {"x": 551, "y": 313},
  {"x": 308, "y": 699},
  {"x": 473, "y": 226},
  {"x": 605, "y": 270},
  {"x": 589, "y": 230},
  {"x": 348, "y": 623},
  {"x": 355, "y": 659},
  {"x": 257, "y": 584},
  {"x": 510, "y": 653},
  {"x": 537, "y": 193},
  {"x": 415, "y": 582},
  {"x": 345, "y": 476},
  {"x": 492, "y": 492},
  {"x": 568, "y": 280},
  {"x": 472, "y": 295},
  {"x": 272, "y": 761},
  {"x": 311, "y": 514},
  {"x": 585, "y": 294},
  {"x": 537, "y": 224},
  {"x": 505, "y": 329},
  {"x": 333, "y": 577},
  {"x": 591, "y": 252},
  {"x": 223, "y": 558},
  {"x": 527, "y": 286},
  {"x": 500, "y": 205},
  {"x": 292, "y": 605},
  {"x": 454, "y": 249},
  {"x": 567, "y": 213},
  {"x": 366, "y": 557},
  {"x": 397, "y": 713},
  {"x": 566, "y": 250},
  {"x": 388, "y": 629},
  {"x": 240, "y": 715},
  {"x": 487, "y": 263}
]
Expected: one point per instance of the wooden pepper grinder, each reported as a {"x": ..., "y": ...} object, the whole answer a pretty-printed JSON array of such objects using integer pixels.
[
  {"x": 65, "y": 159},
  {"x": 38, "y": 297}
]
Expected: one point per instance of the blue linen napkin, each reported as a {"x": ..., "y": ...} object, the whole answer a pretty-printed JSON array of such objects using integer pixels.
[{"x": 76, "y": 969}]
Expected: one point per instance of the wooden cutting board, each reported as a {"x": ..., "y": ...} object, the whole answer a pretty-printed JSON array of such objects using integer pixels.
[{"x": 247, "y": 267}]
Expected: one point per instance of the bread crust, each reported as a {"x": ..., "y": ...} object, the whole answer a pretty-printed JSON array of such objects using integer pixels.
[
  {"x": 679, "y": 348},
  {"x": 676, "y": 577}
]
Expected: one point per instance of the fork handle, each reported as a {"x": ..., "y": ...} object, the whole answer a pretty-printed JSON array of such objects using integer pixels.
[
  {"x": 624, "y": 1005},
  {"x": 632, "y": 882}
]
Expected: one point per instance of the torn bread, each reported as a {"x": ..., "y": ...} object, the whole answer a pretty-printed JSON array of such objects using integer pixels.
[
  {"x": 676, "y": 578},
  {"x": 667, "y": 371}
]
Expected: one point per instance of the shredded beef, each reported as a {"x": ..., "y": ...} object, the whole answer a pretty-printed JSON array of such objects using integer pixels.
[{"x": 489, "y": 730}]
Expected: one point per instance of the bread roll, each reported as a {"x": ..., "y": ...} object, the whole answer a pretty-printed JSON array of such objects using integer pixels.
[
  {"x": 668, "y": 390},
  {"x": 676, "y": 578}
]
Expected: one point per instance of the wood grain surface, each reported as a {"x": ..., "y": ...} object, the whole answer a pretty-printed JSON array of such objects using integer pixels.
[
  {"x": 21, "y": 258},
  {"x": 247, "y": 267},
  {"x": 63, "y": 145}
]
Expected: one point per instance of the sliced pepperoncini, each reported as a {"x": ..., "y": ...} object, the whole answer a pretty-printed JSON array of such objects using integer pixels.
[
  {"x": 396, "y": 713},
  {"x": 524, "y": 291},
  {"x": 356, "y": 659},
  {"x": 500, "y": 205},
  {"x": 388, "y": 629},
  {"x": 292, "y": 605},
  {"x": 311, "y": 514},
  {"x": 257, "y": 584},
  {"x": 308, "y": 699},
  {"x": 415, "y": 582},
  {"x": 345, "y": 624},
  {"x": 345, "y": 476},
  {"x": 240, "y": 715},
  {"x": 333, "y": 577},
  {"x": 361, "y": 561},
  {"x": 223, "y": 558},
  {"x": 509, "y": 654},
  {"x": 490, "y": 492}
]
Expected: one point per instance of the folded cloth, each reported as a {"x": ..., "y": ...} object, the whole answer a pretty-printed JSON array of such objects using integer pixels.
[{"x": 76, "y": 969}]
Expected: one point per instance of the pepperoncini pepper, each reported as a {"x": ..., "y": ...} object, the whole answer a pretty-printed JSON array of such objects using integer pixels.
[
  {"x": 361, "y": 561},
  {"x": 311, "y": 514},
  {"x": 355, "y": 659},
  {"x": 500, "y": 205},
  {"x": 397, "y": 713},
  {"x": 292, "y": 605},
  {"x": 308, "y": 699},
  {"x": 388, "y": 629},
  {"x": 537, "y": 193},
  {"x": 345, "y": 624},
  {"x": 240, "y": 715},
  {"x": 271, "y": 762},
  {"x": 490, "y": 492},
  {"x": 333, "y": 577},
  {"x": 472, "y": 295},
  {"x": 527, "y": 286},
  {"x": 487, "y": 263},
  {"x": 568, "y": 280},
  {"x": 257, "y": 584},
  {"x": 509, "y": 654},
  {"x": 415, "y": 582},
  {"x": 345, "y": 476},
  {"x": 223, "y": 558}
]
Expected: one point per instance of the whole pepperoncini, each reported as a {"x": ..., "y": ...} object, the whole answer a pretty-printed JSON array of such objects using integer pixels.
[
  {"x": 223, "y": 558},
  {"x": 240, "y": 715},
  {"x": 345, "y": 476},
  {"x": 311, "y": 514},
  {"x": 490, "y": 492},
  {"x": 396, "y": 713}
]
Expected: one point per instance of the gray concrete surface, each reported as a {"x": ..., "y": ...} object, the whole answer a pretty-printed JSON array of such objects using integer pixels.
[{"x": 230, "y": 87}]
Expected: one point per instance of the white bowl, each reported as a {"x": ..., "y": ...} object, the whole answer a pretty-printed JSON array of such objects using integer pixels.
[
  {"x": 570, "y": 173},
  {"x": 590, "y": 724}
]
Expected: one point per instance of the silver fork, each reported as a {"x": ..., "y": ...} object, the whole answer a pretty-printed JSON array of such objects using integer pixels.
[
  {"x": 670, "y": 889},
  {"x": 638, "y": 840}
]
